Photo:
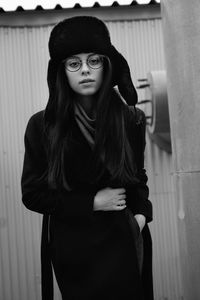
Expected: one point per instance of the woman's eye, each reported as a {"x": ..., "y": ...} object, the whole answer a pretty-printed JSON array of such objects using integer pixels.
[
  {"x": 73, "y": 64},
  {"x": 94, "y": 60}
]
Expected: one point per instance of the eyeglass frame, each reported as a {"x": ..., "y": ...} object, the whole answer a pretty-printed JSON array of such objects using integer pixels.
[{"x": 82, "y": 61}]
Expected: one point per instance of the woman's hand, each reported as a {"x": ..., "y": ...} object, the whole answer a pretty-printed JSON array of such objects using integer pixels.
[
  {"x": 110, "y": 199},
  {"x": 141, "y": 220}
]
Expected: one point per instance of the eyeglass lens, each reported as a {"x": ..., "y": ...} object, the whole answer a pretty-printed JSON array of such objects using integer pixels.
[{"x": 93, "y": 61}]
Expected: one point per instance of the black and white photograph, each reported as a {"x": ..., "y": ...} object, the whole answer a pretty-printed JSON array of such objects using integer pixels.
[{"x": 99, "y": 151}]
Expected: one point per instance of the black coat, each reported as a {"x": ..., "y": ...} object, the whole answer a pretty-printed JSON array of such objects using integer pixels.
[{"x": 93, "y": 253}]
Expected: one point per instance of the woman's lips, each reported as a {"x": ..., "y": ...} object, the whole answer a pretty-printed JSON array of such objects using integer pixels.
[{"x": 86, "y": 81}]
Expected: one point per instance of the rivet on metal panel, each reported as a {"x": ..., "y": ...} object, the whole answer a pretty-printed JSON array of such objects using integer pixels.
[
  {"x": 38, "y": 278},
  {"x": 96, "y": 4},
  {"x": 143, "y": 86},
  {"x": 58, "y": 7},
  {"x": 142, "y": 79},
  {"x": 39, "y": 7},
  {"x": 143, "y": 102},
  {"x": 3, "y": 222}
]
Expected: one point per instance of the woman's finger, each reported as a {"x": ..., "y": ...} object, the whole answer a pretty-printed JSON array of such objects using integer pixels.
[
  {"x": 121, "y": 202},
  {"x": 119, "y": 207},
  {"x": 123, "y": 196},
  {"x": 120, "y": 191}
]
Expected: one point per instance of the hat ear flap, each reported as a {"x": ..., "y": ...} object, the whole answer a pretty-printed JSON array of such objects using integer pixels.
[
  {"x": 122, "y": 77},
  {"x": 51, "y": 80},
  {"x": 51, "y": 75}
]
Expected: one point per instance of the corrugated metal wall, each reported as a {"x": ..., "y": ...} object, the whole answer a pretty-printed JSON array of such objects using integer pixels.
[{"x": 23, "y": 91}]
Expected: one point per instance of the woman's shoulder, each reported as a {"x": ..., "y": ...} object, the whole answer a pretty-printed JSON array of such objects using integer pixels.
[
  {"x": 35, "y": 123},
  {"x": 139, "y": 115},
  {"x": 132, "y": 113},
  {"x": 135, "y": 116},
  {"x": 37, "y": 117}
]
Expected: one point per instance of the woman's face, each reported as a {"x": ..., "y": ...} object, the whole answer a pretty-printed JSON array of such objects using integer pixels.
[{"x": 84, "y": 72}]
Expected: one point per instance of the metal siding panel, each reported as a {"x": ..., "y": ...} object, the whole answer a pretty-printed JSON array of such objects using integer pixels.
[
  {"x": 10, "y": 218},
  {"x": 168, "y": 283},
  {"x": 23, "y": 92},
  {"x": 20, "y": 236},
  {"x": 23, "y": 89},
  {"x": 142, "y": 44}
]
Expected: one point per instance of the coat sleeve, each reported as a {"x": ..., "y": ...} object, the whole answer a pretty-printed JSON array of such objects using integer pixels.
[
  {"x": 36, "y": 195},
  {"x": 140, "y": 203}
]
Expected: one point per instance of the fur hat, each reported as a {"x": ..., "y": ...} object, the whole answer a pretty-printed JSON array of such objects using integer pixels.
[{"x": 84, "y": 34}]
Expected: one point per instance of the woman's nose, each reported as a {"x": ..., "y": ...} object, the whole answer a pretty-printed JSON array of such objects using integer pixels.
[{"x": 85, "y": 68}]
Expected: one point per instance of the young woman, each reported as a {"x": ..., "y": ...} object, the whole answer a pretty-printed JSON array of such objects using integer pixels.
[{"x": 84, "y": 170}]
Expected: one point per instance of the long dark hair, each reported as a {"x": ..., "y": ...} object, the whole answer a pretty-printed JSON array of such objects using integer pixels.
[{"x": 112, "y": 141}]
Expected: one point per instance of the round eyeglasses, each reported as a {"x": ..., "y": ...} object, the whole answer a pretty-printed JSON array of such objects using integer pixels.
[{"x": 94, "y": 61}]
